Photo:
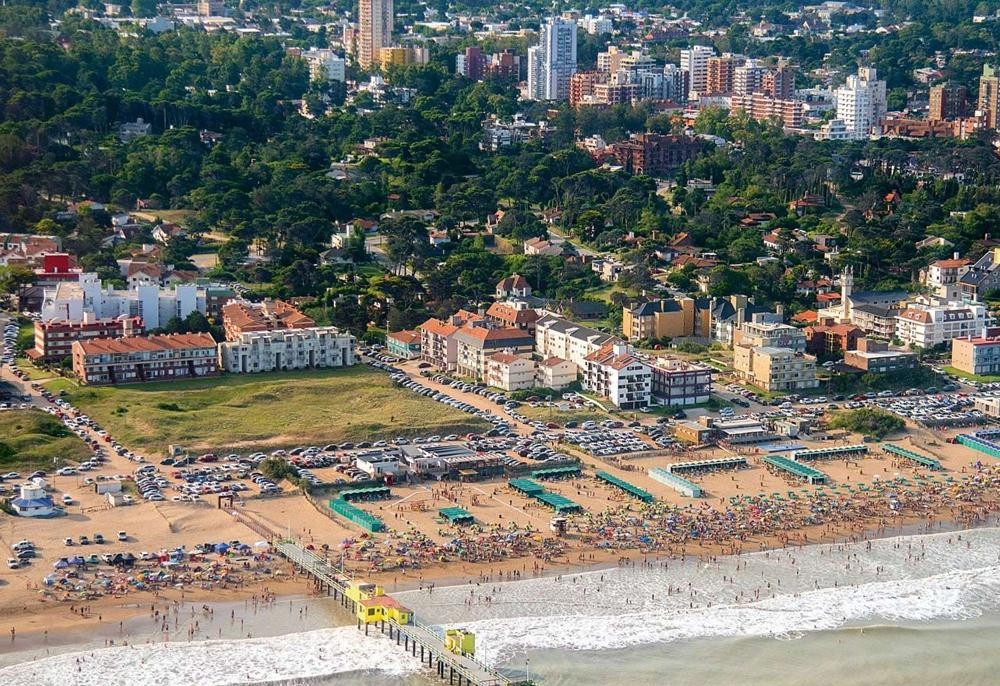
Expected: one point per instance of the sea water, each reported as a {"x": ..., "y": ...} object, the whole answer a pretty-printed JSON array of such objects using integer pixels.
[{"x": 905, "y": 609}]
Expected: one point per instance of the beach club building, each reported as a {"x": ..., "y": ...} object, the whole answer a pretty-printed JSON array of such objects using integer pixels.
[{"x": 33, "y": 501}]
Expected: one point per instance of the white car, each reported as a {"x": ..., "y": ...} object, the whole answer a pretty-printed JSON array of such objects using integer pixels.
[{"x": 67, "y": 499}]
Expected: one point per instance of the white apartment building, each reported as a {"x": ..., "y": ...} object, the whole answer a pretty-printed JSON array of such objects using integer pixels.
[
  {"x": 861, "y": 103},
  {"x": 70, "y": 301},
  {"x": 324, "y": 65},
  {"x": 598, "y": 25},
  {"x": 926, "y": 325},
  {"x": 555, "y": 373},
  {"x": 748, "y": 79},
  {"x": 559, "y": 337},
  {"x": 552, "y": 62},
  {"x": 694, "y": 61},
  {"x": 280, "y": 349},
  {"x": 510, "y": 372},
  {"x": 375, "y": 19},
  {"x": 616, "y": 374}
]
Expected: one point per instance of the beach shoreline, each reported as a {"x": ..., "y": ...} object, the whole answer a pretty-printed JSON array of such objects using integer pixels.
[{"x": 50, "y": 627}]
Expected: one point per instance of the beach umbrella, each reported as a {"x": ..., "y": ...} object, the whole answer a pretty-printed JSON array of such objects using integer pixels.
[
  {"x": 61, "y": 563},
  {"x": 221, "y": 547}
]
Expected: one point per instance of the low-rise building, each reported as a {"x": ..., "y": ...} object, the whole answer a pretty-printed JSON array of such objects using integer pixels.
[
  {"x": 767, "y": 331},
  {"x": 513, "y": 286},
  {"x": 510, "y": 372},
  {"x": 988, "y": 405},
  {"x": 54, "y": 339},
  {"x": 617, "y": 374},
  {"x": 437, "y": 340},
  {"x": 284, "y": 349},
  {"x": 673, "y": 318},
  {"x": 775, "y": 369},
  {"x": 403, "y": 344},
  {"x": 239, "y": 318},
  {"x": 555, "y": 373},
  {"x": 565, "y": 339},
  {"x": 513, "y": 315},
  {"x": 677, "y": 382},
  {"x": 145, "y": 358},
  {"x": 926, "y": 325},
  {"x": 978, "y": 355},
  {"x": 475, "y": 343},
  {"x": 827, "y": 338},
  {"x": 876, "y": 357}
]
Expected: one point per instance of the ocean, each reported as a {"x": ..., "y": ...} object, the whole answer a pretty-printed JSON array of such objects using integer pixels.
[{"x": 911, "y": 609}]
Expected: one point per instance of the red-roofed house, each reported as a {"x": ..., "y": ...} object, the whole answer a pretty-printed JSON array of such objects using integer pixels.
[
  {"x": 945, "y": 272},
  {"x": 805, "y": 317},
  {"x": 403, "y": 344},
  {"x": 506, "y": 315},
  {"x": 514, "y": 285}
]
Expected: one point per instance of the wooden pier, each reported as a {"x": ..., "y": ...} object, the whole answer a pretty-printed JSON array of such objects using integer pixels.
[{"x": 416, "y": 638}]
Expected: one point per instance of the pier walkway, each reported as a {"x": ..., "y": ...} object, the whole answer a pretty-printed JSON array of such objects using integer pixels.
[{"x": 416, "y": 638}]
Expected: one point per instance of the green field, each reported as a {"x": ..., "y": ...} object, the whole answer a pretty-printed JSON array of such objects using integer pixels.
[
  {"x": 972, "y": 377},
  {"x": 554, "y": 414},
  {"x": 256, "y": 411},
  {"x": 31, "y": 439}
]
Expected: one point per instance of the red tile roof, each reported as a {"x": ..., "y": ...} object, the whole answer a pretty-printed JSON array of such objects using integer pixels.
[{"x": 177, "y": 341}]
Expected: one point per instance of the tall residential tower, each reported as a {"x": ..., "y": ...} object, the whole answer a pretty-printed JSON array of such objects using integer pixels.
[
  {"x": 552, "y": 62},
  {"x": 375, "y": 18}
]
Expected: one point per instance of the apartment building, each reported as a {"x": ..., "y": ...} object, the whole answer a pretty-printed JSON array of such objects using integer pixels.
[
  {"x": 775, "y": 369},
  {"x": 617, "y": 374},
  {"x": 942, "y": 273},
  {"x": 926, "y": 324},
  {"x": 861, "y": 103},
  {"x": 239, "y": 318},
  {"x": 437, "y": 339},
  {"x": 768, "y": 331},
  {"x": 677, "y": 382},
  {"x": 475, "y": 343},
  {"x": 375, "y": 18},
  {"x": 555, "y": 373},
  {"x": 54, "y": 338},
  {"x": 403, "y": 344},
  {"x": 655, "y": 154},
  {"x": 977, "y": 354},
  {"x": 567, "y": 340},
  {"x": 947, "y": 101},
  {"x": 145, "y": 358},
  {"x": 509, "y": 371},
  {"x": 70, "y": 301},
  {"x": 285, "y": 349},
  {"x": 694, "y": 63},
  {"x": 876, "y": 357},
  {"x": 673, "y": 318},
  {"x": 552, "y": 62},
  {"x": 763, "y": 107}
]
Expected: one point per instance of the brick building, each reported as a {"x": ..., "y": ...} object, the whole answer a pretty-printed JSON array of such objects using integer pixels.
[
  {"x": 54, "y": 339},
  {"x": 655, "y": 154},
  {"x": 145, "y": 358},
  {"x": 243, "y": 317}
]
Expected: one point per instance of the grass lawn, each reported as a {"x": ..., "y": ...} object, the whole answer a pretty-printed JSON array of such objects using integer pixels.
[
  {"x": 554, "y": 414},
  {"x": 34, "y": 373},
  {"x": 30, "y": 439},
  {"x": 272, "y": 410},
  {"x": 981, "y": 378}
]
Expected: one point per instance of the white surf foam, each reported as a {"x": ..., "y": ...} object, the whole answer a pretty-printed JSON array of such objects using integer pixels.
[
  {"x": 291, "y": 658},
  {"x": 951, "y": 595},
  {"x": 951, "y": 575}
]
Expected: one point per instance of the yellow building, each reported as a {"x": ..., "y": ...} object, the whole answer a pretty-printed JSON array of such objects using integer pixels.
[
  {"x": 371, "y": 604},
  {"x": 402, "y": 56},
  {"x": 674, "y": 318},
  {"x": 775, "y": 369}
]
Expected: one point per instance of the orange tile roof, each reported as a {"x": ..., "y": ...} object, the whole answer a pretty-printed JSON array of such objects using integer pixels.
[
  {"x": 950, "y": 264},
  {"x": 436, "y": 326},
  {"x": 407, "y": 336},
  {"x": 505, "y": 358},
  {"x": 177, "y": 341}
]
